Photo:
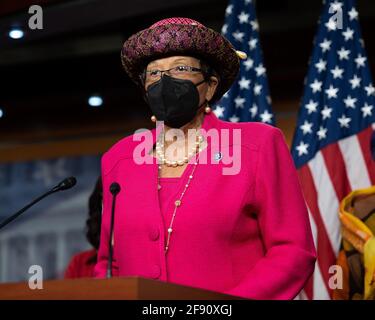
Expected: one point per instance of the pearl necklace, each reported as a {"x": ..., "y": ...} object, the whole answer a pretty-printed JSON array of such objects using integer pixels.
[
  {"x": 174, "y": 163},
  {"x": 178, "y": 202}
]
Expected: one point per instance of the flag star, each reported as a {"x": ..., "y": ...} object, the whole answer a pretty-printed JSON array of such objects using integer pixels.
[
  {"x": 344, "y": 121},
  {"x": 316, "y": 86},
  {"x": 229, "y": 10},
  {"x": 253, "y": 110},
  {"x": 219, "y": 111},
  {"x": 260, "y": 70},
  {"x": 332, "y": 92},
  {"x": 238, "y": 36},
  {"x": 311, "y": 106},
  {"x": 244, "y": 83},
  {"x": 224, "y": 29},
  {"x": 266, "y": 116},
  {"x": 243, "y": 17},
  {"x": 325, "y": 45},
  {"x": 322, "y": 133},
  {"x": 321, "y": 65},
  {"x": 370, "y": 89},
  {"x": 366, "y": 110},
  {"x": 353, "y": 14},
  {"x": 234, "y": 118},
  {"x": 350, "y": 102},
  {"x": 337, "y": 72},
  {"x": 248, "y": 1},
  {"x": 336, "y": 6},
  {"x": 355, "y": 81},
  {"x": 360, "y": 61},
  {"x": 331, "y": 25},
  {"x": 306, "y": 127},
  {"x": 257, "y": 89},
  {"x": 343, "y": 54},
  {"x": 348, "y": 34},
  {"x": 326, "y": 112},
  {"x": 253, "y": 43},
  {"x": 239, "y": 102},
  {"x": 248, "y": 63},
  {"x": 254, "y": 24},
  {"x": 302, "y": 148}
]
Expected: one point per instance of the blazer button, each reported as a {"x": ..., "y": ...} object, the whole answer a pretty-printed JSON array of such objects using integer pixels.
[
  {"x": 154, "y": 234},
  {"x": 155, "y": 272}
]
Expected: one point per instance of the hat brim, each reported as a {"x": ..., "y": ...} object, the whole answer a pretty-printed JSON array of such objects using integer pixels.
[{"x": 181, "y": 39}]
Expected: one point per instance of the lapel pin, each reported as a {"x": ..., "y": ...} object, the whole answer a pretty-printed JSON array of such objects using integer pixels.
[{"x": 218, "y": 156}]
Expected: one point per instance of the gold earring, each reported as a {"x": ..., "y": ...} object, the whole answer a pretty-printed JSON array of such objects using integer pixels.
[
  {"x": 207, "y": 110},
  {"x": 153, "y": 119}
]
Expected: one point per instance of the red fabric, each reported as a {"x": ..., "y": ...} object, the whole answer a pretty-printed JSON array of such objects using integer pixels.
[{"x": 81, "y": 265}]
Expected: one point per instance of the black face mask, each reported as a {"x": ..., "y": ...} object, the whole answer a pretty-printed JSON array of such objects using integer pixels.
[{"x": 174, "y": 101}]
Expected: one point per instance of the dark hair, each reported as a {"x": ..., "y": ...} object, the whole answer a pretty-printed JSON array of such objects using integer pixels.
[{"x": 94, "y": 221}]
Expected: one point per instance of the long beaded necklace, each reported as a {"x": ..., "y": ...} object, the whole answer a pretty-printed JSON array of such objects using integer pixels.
[{"x": 178, "y": 202}]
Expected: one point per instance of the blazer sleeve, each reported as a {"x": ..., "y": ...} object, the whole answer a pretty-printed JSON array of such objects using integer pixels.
[
  {"x": 284, "y": 226},
  {"x": 100, "y": 269}
]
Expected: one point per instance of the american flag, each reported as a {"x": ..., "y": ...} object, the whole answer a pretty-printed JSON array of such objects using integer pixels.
[
  {"x": 248, "y": 99},
  {"x": 331, "y": 146}
]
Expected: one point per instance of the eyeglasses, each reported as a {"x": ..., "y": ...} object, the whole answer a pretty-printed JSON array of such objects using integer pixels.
[{"x": 179, "y": 71}]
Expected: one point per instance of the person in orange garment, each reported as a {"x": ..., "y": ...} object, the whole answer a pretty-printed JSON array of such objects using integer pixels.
[{"x": 82, "y": 264}]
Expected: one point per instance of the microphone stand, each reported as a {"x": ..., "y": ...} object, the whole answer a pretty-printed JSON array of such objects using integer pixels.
[
  {"x": 66, "y": 184},
  {"x": 114, "y": 189}
]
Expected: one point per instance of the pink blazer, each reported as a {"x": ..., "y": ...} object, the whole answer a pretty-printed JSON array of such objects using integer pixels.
[{"x": 246, "y": 234}]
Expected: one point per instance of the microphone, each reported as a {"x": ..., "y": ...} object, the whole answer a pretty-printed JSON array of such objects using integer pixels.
[
  {"x": 114, "y": 188},
  {"x": 66, "y": 184},
  {"x": 63, "y": 185}
]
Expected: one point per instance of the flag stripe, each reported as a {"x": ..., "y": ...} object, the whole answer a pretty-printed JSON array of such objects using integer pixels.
[
  {"x": 316, "y": 286},
  {"x": 335, "y": 164},
  {"x": 324, "y": 247},
  {"x": 354, "y": 160},
  {"x": 320, "y": 290},
  {"x": 364, "y": 141},
  {"x": 327, "y": 200},
  {"x": 308, "y": 290}
]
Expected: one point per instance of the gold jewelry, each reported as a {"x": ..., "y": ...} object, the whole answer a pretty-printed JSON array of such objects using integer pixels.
[
  {"x": 153, "y": 118},
  {"x": 178, "y": 202},
  {"x": 207, "y": 109}
]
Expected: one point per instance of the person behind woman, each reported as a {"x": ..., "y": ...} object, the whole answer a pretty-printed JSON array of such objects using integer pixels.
[
  {"x": 191, "y": 216},
  {"x": 82, "y": 264},
  {"x": 357, "y": 252}
]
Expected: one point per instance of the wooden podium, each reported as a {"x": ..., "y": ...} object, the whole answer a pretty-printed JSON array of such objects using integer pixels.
[{"x": 129, "y": 288}]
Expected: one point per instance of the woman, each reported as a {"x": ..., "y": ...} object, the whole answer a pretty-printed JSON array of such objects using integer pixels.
[{"x": 185, "y": 220}]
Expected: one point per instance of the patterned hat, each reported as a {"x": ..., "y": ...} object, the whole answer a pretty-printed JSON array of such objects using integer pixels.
[{"x": 182, "y": 36}]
